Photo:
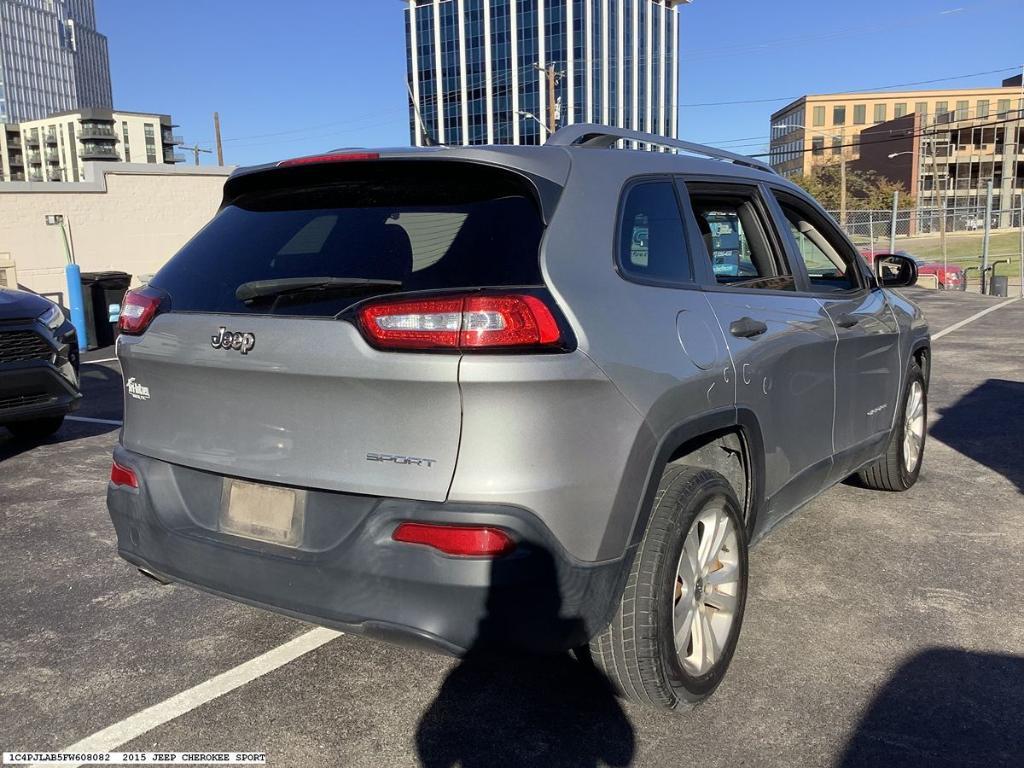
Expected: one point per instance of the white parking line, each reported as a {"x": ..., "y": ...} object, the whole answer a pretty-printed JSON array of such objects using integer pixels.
[
  {"x": 90, "y": 420},
  {"x": 104, "y": 360},
  {"x": 972, "y": 318},
  {"x": 132, "y": 727}
]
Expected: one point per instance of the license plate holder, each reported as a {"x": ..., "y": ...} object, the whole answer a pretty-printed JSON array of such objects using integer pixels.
[{"x": 267, "y": 513}]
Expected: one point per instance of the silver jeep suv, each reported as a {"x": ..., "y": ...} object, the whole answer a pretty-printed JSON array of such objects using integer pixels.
[{"x": 529, "y": 396}]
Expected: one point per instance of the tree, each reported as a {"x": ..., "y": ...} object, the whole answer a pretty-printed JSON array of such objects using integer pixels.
[{"x": 865, "y": 190}]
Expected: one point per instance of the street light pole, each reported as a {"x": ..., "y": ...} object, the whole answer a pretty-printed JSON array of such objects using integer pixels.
[{"x": 537, "y": 120}]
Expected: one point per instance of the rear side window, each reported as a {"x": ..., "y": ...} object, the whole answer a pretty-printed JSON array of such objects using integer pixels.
[
  {"x": 651, "y": 242},
  {"x": 313, "y": 245}
]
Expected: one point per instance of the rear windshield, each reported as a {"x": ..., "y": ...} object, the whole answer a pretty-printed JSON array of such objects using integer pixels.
[{"x": 317, "y": 244}]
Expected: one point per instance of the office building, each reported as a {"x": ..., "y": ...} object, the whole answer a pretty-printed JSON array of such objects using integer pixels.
[
  {"x": 817, "y": 129},
  {"x": 52, "y": 59},
  {"x": 56, "y": 147},
  {"x": 509, "y": 71}
]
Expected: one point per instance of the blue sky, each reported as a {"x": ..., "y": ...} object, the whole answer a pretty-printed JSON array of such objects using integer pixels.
[{"x": 309, "y": 75}]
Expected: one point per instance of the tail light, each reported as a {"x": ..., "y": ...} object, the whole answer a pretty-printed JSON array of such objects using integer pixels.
[
  {"x": 458, "y": 540},
  {"x": 332, "y": 157},
  {"x": 465, "y": 323},
  {"x": 138, "y": 309},
  {"x": 122, "y": 476}
]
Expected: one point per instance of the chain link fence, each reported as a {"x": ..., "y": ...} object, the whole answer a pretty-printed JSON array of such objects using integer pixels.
[{"x": 919, "y": 232}]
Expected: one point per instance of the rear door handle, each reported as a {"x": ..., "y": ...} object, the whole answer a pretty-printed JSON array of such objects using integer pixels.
[
  {"x": 846, "y": 321},
  {"x": 747, "y": 327}
]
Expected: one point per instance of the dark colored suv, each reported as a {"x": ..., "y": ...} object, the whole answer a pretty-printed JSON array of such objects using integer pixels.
[{"x": 38, "y": 365}]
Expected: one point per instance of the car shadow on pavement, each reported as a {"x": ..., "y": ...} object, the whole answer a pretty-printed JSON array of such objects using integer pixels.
[
  {"x": 69, "y": 432},
  {"x": 512, "y": 708},
  {"x": 944, "y": 708},
  {"x": 987, "y": 425}
]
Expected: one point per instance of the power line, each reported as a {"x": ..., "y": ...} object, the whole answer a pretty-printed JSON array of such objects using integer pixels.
[{"x": 850, "y": 91}]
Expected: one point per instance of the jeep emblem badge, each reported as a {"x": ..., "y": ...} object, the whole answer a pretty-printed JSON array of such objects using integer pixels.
[{"x": 225, "y": 339}]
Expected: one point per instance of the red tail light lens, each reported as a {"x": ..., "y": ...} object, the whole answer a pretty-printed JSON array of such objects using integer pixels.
[
  {"x": 458, "y": 540},
  {"x": 471, "y": 322},
  {"x": 334, "y": 157},
  {"x": 122, "y": 476},
  {"x": 138, "y": 309}
]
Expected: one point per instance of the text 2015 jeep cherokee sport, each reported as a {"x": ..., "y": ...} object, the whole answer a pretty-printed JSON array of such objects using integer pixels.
[{"x": 542, "y": 396}]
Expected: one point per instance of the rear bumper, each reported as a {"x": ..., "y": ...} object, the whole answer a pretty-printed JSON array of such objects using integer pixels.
[{"x": 349, "y": 574}]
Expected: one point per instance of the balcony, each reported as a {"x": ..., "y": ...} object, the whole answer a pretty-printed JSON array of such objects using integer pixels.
[
  {"x": 170, "y": 156},
  {"x": 54, "y": 174},
  {"x": 35, "y": 158},
  {"x": 14, "y": 143},
  {"x": 51, "y": 138},
  {"x": 35, "y": 176},
  {"x": 16, "y": 161},
  {"x": 52, "y": 156},
  {"x": 31, "y": 142},
  {"x": 17, "y": 176},
  {"x": 98, "y": 153},
  {"x": 98, "y": 132},
  {"x": 170, "y": 138}
]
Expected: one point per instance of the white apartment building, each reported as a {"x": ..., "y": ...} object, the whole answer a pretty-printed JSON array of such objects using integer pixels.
[{"x": 56, "y": 147}]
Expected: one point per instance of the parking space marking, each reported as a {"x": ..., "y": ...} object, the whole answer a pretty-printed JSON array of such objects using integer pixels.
[
  {"x": 104, "y": 360},
  {"x": 146, "y": 720},
  {"x": 90, "y": 420},
  {"x": 972, "y": 318}
]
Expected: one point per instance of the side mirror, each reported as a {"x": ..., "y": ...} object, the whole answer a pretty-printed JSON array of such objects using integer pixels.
[{"x": 895, "y": 271}]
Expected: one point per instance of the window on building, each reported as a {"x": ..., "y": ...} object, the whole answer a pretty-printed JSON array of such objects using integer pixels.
[
  {"x": 150, "y": 143},
  {"x": 837, "y": 145},
  {"x": 963, "y": 110},
  {"x": 1003, "y": 108},
  {"x": 818, "y": 146},
  {"x": 983, "y": 108},
  {"x": 127, "y": 146},
  {"x": 942, "y": 111},
  {"x": 922, "y": 109},
  {"x": 901, "y": 109},
  {"x": 839, "y": 115},
  {"x": 881, "y": 111},
  {"x": 819, "y": 116},
  {"x": 860, "y": 114}
]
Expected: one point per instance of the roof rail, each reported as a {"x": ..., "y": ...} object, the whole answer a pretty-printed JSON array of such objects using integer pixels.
[{"x": 605, "y": 136}]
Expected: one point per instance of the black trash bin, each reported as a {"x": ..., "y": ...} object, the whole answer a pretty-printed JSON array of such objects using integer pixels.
[
  {"x": 103, "y": 293},
  {"x": 1000, "y": 286}
]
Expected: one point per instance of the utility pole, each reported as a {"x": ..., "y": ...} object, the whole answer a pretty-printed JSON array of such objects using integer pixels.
[
  {"x": 552, "y": 114},
  {"x": 939, "y": 191},
  {"x": 988, "y": 233},
  {"x": 842, "y": 177},
  {"x": 195, "y": 150},
  {"x": 216, "y": 130}
]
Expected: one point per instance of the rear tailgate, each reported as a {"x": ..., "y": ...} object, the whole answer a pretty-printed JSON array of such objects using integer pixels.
[
  {"x": 301, "y": 398},
  {"x": 311, "y": 405}
]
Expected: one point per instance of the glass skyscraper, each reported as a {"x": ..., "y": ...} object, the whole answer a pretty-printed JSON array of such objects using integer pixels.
[
  {"x": 52, "y": 59},
  {"x": 478, "y": 69}
]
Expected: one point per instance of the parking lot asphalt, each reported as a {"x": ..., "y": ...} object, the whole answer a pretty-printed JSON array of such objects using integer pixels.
[{"x": 881, "y": 629}]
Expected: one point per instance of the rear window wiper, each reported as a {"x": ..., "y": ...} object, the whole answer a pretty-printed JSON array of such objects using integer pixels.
[{"x": 272, "y": 289}]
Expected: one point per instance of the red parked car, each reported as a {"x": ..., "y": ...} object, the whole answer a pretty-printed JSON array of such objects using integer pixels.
[{"x": 950, "y": 277}]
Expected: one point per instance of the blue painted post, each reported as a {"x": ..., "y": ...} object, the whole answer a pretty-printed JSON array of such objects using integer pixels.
[{"x": 76, "y": 303}]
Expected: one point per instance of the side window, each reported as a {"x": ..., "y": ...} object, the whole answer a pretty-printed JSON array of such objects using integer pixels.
[
  {"x": 830, "y": 264},
  {"x": 737, "y": 243},
  {"x": 651, "y": 241}
]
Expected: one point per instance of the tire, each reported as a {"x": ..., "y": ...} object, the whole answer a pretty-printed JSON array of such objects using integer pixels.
[
  {"x": 899, "y": 469},
  {"x": 36, "y": 429},
  {"x": 637, "y": 650}
]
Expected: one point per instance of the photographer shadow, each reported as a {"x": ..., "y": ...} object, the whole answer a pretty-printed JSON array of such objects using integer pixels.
[{"x": 505, "y": 706}]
